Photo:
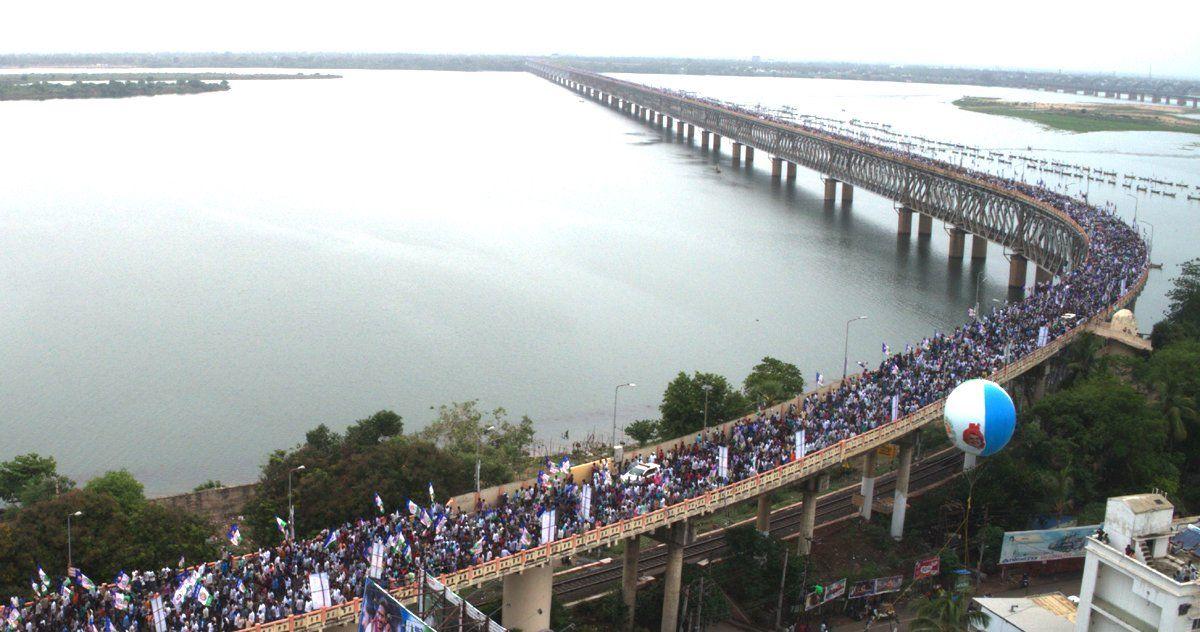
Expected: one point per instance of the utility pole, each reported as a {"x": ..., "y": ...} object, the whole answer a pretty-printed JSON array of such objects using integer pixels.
[{"x": 782, "y": 583}]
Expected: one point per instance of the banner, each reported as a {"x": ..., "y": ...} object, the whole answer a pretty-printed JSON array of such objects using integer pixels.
[
  {"x": 454, "y": 599},
  {"x": 929, "y": 567},
  {"x": 548, "y": 526},
  {"x": 381, "y": 612},
  {"x": 831, "y": 592},
  {"x": 376, "y": 570},
  {"x": 159, "y": 615},
  {"x": 1044, "y": 545},
  {"x": 801, "y": 445},
  {"x": 1043, "y": 336},
  {"x": 888, "y": 584},
  {"x": 585, "y": 503},
  {"x": 723, "y": 461},
  {"x": 864, "y": 588},
  {"x": 318, "y": 587}
]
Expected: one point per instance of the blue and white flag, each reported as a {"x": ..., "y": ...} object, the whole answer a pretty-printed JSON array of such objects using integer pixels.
[
  {"x": 413, "y": 509},
  {"x": 431, "y": 497},
  {"x": 565, "y": 466},
  {"x": 379, "y": 503},
  {"x": 820, "y": 380},
  {"x": 234, "y": 535},
  {"x": 886, "y": 350},
  {"x": 330, "y": 537},
  {"x": 425, "y": 519}
]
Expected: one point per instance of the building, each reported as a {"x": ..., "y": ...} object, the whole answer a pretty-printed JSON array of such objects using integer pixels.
[
  {"x": 1051, "y": 612},
  {"x": 1133, "y": 578}
]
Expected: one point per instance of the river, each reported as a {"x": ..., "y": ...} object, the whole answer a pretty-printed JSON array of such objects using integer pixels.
[{"x": 191, "y": 282}]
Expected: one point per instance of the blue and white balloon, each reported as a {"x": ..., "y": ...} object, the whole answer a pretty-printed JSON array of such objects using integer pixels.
[{"x": 980, "y": 417}]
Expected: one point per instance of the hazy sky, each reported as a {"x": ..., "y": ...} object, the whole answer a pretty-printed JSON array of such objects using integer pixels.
[{"x": 1128, "y": 37}]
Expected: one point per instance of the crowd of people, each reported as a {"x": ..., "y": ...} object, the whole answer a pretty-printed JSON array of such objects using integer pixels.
[{"x": 237, "y": 592}]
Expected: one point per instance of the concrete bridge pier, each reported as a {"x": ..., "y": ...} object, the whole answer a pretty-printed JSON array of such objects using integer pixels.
[
  {"x": 808, "y": 513},
  {"x": 978, "y": 247},
  {"x": 867, "y": 487},
  {"x": 670, "y": 122},
  {"x": 762, "y": 521},
  {"x": 924, "y": 225},
  {"x": 830, "y": 189},
  {"x": 691, "y": 131},
  {"x": 1017, "y": 264},
  {"x": 679, "y": 128},
  {"x": 737, "y": 153},
  {"x": 527, "y": 598},
  {"x": 749, "y": 155},
  {"x": 716, "y": 145},
  {"x": 776, "y": 168},
  {"x": 847, "y": 193},
  {"x": 900, "y": 498},
  {"x": 958, "y": 239},
  {"x": 904, "y": 221},
  {"x": 676, "y": 542},
  {"x": 704, "y": 139},
  {"x": 654, "y": 119},
  {"x": 629, "y": 578}
]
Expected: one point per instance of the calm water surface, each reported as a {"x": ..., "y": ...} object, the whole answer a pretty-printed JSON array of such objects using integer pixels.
[{"x": 190, "y": 282}]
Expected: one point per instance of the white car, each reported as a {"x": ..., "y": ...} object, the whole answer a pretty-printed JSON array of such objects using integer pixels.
[{"x": 639, "y": 472}]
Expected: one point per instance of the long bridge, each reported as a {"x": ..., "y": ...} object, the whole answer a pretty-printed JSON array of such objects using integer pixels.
[{"x": 1027, "y": 228}]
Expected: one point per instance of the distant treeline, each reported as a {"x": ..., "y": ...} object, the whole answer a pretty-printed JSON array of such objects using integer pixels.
[{"x": 42, "y": 90}]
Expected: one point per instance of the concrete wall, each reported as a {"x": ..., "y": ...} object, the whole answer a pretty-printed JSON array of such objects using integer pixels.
[{"x": 220, "y": 505}]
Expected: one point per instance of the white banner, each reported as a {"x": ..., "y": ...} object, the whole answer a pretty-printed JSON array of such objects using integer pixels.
[
  {"x": 723, "y": 461},
  {"x": 548, "y": 526},
  {"x": 159, "y": 615},
  {"x": 801, "y": 444},
  {"x": 318, "y": 587},
  {"x": 895, "y": 407},
  {"x": 376, "y": 570},
  {"x": 1043, "y": 336},
  {"x": 585, "y": 502}
]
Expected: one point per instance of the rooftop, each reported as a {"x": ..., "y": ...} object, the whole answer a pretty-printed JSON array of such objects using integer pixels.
[{"x": 1051, "y": 612}]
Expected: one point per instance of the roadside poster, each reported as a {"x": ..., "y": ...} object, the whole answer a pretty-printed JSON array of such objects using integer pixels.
[
  {"x": 835, "y": 590},
  {"x": 860, "y": 589},
  {"x": 888, "y": 584},
  {"x": 1044, "y": 545},
  {"x": 929, "y": 567},
  {"x": 381, "y": 612}
]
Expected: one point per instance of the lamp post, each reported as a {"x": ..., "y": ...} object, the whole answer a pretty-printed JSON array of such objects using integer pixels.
[
  {"x": 846, "y": 346},
  {"x": 1150, "y": 242},
  {"x": 291, "y": 507},
  {"x": 1135, "y": 206},
  {"x": 707, "y": 389},
  {"x": 478, "y": 449},
  {"x": 69, "y": 516},
  {"x": 616, "y": 392}
]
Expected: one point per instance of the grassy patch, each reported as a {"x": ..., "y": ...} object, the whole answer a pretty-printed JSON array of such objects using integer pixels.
[{"x": 1085, "y": 117}]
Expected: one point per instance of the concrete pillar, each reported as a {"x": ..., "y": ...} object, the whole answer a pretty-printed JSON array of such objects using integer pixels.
[
  {"x": 867, "y": 487},
  {"x": 527, "y": 598},
  {"x": 679, "y": 128},
  {"x": 749, "y": 155},
  {"x": 776, "y": 168},
  {"x": 830, "y": 189},
  {"x": 808, "y": 516},
  {"x": 978, "y": 247},
  {"x": 1042, "y": 276},
  {"x": 654, "y": 119},
  {"x": 629, "y": 577},
  {"x": 704, "y": 139},
  {"x": 691, "y": 131},
  {"x": 900, "y": 497},
  {"x": 671, "y": 578},
  {"x": 958, "y": 239},
  {"x": 924, "y": 225},
  {"x": 791, "y": 172},
  {"x": 762, "y": 521},
  {"x": 737, "y": 152},
  {"x": 969, "y": 461},
  {"x": 847, "y": 193},
  {"x": 1016, "y": 270},
  {"x": 669, "y": 123},
  {"x": 716, "y": 145},
  {"x": 904, "y": 221}
]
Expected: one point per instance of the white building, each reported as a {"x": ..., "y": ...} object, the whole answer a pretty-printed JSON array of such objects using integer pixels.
[
  {"x": 1131, "y": 581},
  {"x": 1051, "y": 612}
]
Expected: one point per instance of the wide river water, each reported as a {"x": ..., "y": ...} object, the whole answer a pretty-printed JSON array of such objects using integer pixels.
[{"x": 190, "y": 282}]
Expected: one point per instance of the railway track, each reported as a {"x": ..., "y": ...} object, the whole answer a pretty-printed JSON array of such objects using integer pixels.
[{"x": 593, "y": 579}]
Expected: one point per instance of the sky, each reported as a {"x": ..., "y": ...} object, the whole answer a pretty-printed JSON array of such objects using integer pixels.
[{"x": 1127, "y": 37}]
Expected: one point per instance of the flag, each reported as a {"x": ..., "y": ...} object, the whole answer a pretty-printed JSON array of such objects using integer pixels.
[
  {"x": 279, "y": 522},
  {"x": 379, "y": 502},
  {"x": 37, "y": 590},
  {"x": 431, "y": 499},
  {"x": 886, "y": 350},
  {"x": 43, "y": 579},
  {"x": 477, "y": 548},
  {"x": 413, "y": 509},
  {"x": 120, "y": 601},
  {"x": 820, "y": 380},
  {"x": 182, "y": 562},
  {"x": 425, "y": 520},
  {"x": 565, "y": 466},
  {"x": 65, "y": 591},
  {"x": 234, "y": 535},
  {"x": 84, "y": 581},
  {"x": 333, "y": 534},
  {"x": 122, "y": 580},
  {"x": 970, "y": 312},
  {"x": 525, "y": 540}
]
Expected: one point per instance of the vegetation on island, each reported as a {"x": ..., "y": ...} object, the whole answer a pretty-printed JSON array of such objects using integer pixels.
[
  {"x": 1087, "y": 117},
  {"x": 45, "y": 86}
]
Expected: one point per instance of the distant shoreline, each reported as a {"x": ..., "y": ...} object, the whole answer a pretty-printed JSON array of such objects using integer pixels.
[
  {"x": 1088, "y": 117},
  {"x": 103, "y": 85}
]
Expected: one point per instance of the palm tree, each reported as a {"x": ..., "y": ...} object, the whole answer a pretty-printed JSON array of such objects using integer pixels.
[
  {"x": 1178, "y": 407},
  {"x": 947, "y": 612}
]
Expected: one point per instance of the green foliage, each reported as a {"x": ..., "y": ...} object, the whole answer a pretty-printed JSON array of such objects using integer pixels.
[
  {"x": 682, "y": 405},
  {"x": 29, "y": 478},
  {"x": 463, "y": 429},
  {"x": 375, "y": 428},
  {"x": 122, "y": 486},
  {"x": 772, "y": 381},
  {"x": 643, "y": 431},
  {"x": 751, "y": 570},
  {"x": 209, "y": 484},
  {"x": 947, "y": 612},
  {"x": 1183, "y": 313}
]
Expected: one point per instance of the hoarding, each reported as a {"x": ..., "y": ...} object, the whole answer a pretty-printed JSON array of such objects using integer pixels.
[{"x": 1044, "y": 545}]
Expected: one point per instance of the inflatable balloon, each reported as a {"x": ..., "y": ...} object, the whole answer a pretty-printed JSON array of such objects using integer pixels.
[{"x": 980, "y": 417}]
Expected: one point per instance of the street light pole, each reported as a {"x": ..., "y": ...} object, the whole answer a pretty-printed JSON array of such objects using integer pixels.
[
  {"x": 707, "y": 389},
  {"x": 616, "y": 392},
  {"x": 846, "y": 346},
  {"x": 478, "y": 449},
  {"x": 291, "y": 507},
  {"x": 1135, "y": 207},
  {"x": 69, "y": 516}
]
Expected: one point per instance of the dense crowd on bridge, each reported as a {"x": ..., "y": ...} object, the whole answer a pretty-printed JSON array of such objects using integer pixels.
[{"x": 271, "y": 584}]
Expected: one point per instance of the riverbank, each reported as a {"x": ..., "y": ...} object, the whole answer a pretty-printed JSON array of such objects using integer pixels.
[
  {"x": 46, "y": 86},
  {"x": 1088, "y": 117}
]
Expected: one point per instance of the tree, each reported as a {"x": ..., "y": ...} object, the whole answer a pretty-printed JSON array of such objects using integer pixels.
[
  {"x": 642, "y": 431},
  {"x": 1174, "y": 375},
  {"x": 682, "y": 405},
  {"x": 122, "y": 486},
  {"x": 947, "y": 612},
  {"x": 1183, "y": 313},
  {"x": 462, "y": 428},
  {"x": 29, "y": 478},
  {"x": 772, "y": 381},
  {"x": 381, "y": 425}
]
